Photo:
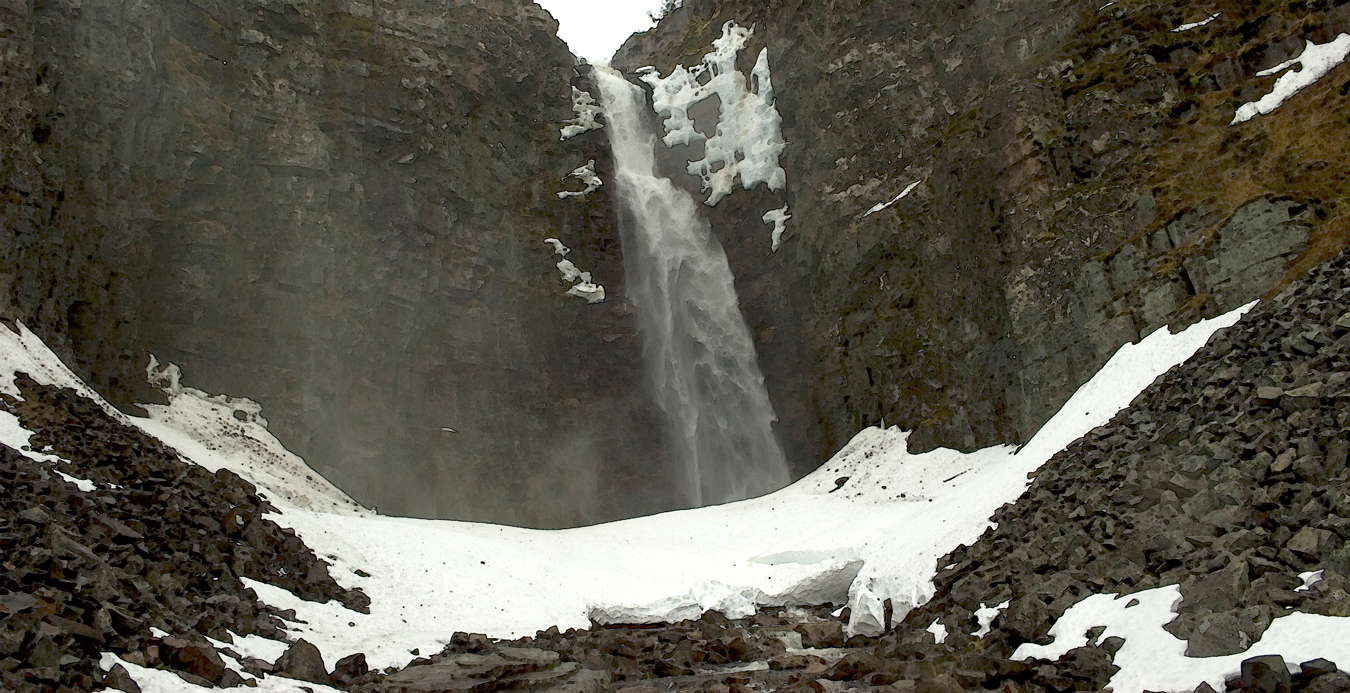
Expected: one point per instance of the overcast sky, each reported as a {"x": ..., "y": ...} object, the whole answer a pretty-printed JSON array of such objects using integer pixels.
[{"x": 594, "y": 29}]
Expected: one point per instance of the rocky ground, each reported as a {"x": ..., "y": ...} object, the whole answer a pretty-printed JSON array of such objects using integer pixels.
[{"x": 1227, "y": 477}]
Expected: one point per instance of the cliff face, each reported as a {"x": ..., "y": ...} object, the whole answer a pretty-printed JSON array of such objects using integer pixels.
[
  {"x": 1078, "y": 185},
  {"x": 339, "y": 210}
]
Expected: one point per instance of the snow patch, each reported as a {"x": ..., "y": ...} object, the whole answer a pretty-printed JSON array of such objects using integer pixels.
[
  {"x": 582, "y": 286},
  {"x": 1309, "y": 579},
  {"x": 938, "y": 630},
  {"x": 586, "y": 110},
  {"x": 84, "y": 485},
  {"x": 985, "y": 616},
  {"x": 1316, "y": 62},
  {"x": 585, "y": 174},
  {"x": 1153, "y": 659},
  {"x": 749, "y": 137},
  {"x": 779, "y": 219},
  {"x": 1196, "y": 25}
]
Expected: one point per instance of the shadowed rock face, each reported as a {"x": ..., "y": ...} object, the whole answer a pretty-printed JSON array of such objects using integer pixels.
[
  {"x": 336, "y": 209},
  {"x": 1079, "y": 186}
]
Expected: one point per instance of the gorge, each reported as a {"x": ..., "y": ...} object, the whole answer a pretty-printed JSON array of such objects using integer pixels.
[{"x": 409, "y": 352}]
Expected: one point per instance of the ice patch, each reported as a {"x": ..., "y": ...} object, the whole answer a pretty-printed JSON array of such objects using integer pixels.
[
  {"x": 586, "y": 109},
  {"x": 582, "y": 286},
  {"x": 779, "y": 219},
  {"x": 585, "y": 174},
  {"x": 748, "y": 139},
  {"x": 1153, "y": 659},
  {"x": 1316, "y": 62}
]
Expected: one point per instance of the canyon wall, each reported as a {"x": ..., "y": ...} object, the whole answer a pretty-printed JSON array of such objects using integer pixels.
[
  {"x": 337, "y": 209},
  {"x": 1078, "y": 186}
]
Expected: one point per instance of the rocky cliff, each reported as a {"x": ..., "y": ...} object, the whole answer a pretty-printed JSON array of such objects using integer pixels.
[
  {"x": 338, "y": 210},
  {"x": 1076, "y": 184}
]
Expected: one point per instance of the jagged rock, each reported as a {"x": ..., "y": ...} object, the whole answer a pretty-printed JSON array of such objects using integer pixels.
[
  {"x": 350, "y": 667},
  {"x": 303, "y": 661},
  {"x": 1336, "y": 682},
  {"x": 1312, "y": 543},
  {"x": 118, "y": 678},
  {"x": 195, "y": 658}
]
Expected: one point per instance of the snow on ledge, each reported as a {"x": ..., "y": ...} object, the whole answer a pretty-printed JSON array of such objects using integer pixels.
[
  {"x": 903, "y": 193},
  {"x": 1196, "y": 25},
  {"x": 585, "y": 174},
  {"x": 1316, "y": 61}
]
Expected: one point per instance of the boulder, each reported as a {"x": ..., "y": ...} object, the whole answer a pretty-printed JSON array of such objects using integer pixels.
[{"x": 303, "y": 661}]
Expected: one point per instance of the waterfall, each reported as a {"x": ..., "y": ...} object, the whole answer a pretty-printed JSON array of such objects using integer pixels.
[{"x": 697, "y": 349}]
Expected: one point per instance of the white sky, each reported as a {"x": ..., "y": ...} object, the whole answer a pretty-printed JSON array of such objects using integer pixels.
[{"x": 594, "y": 29}]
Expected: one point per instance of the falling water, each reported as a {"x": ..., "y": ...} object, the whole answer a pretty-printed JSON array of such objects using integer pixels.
[{"x": 698, "y": 353}]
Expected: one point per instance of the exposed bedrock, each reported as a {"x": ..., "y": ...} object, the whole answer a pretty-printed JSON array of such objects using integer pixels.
[{"x": 1078, "y": 187}]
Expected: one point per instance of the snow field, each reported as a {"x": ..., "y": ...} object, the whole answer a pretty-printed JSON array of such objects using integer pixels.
[{"x": 867, "y": 526}]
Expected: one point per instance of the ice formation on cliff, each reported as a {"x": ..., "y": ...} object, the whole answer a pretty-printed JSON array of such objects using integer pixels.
[
  {"x": 582, "y": 286},
  {"x": 748, "y": 138},
  {"x": 1316, "y": 61},
  {"x": 585, "y": 174},
  {"x": 586, "y": 109}
]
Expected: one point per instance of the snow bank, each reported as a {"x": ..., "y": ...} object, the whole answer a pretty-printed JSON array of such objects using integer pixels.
[
  {"x": 1153, "y": 659},
  {"x": 1316, "y": 62},
  {"x": 749, "y": 136}
]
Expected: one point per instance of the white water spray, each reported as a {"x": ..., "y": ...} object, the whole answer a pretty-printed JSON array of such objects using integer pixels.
[{"x": 698, "y": 352}]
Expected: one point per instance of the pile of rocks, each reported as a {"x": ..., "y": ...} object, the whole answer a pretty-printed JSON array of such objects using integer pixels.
[
  {"x": 1228, "y": 477},
  {"x": 154, "y": 543}
]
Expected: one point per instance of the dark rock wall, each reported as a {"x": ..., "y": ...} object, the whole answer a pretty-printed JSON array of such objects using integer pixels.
[
  {"x": 337, "y": 209},
  {"x": 1079, "y": 187}
]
